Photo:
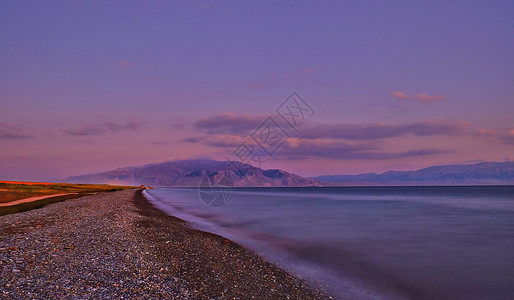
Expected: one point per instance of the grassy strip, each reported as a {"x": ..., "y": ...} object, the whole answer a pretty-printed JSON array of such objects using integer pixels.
[
  {"x": 16, "y": 191},
  {"x": 12, "y": 191},
  {"x": 42, "y": 203}
]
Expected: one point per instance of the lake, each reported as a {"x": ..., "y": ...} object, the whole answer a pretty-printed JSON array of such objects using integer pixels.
[{"x": 370, "y": 242}]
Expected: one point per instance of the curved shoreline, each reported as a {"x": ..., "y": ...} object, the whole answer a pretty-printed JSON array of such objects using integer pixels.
[
  {"x": 119, "y": 245},
  {"x": 256, "y": 277}
]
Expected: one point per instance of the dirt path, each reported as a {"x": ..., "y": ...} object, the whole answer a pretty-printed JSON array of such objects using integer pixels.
[{"x": 26, "y": 200}]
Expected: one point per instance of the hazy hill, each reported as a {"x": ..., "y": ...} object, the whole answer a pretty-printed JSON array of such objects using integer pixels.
[
  {"x": 192, "y": 172},
  {"x": 480, "y": 173}
]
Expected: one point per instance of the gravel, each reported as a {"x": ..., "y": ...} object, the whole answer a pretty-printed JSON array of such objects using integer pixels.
[{"x": 117, "y": 245}]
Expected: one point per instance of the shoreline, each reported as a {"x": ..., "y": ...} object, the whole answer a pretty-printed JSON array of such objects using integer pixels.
[{"x": 119, "y": 245}]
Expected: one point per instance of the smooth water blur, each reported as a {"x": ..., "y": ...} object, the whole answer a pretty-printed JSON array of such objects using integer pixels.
[{"x": 371, "y": 242}]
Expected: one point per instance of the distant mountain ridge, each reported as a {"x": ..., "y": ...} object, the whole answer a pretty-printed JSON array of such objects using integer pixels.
[
  {"x": 193, "y": 173},
  {"x": 480, "y": 173}
]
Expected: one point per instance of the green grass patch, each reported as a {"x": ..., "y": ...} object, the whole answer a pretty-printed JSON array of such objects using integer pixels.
[{"x": 16, "y": 191}]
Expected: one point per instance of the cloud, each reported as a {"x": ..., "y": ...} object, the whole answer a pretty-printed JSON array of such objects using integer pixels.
[
  {"x": 304, "y": 149},
  {"x": 105, "y": 127},
  {"x": 8, "y": 132},
  {"x": 162, "y": 143},
  {"x": 226, "y": 141},
  {"x": 341, "y": 140},
  {"x": 297, "y": 148},
  {"x": 124, "y": 64},
  {"x": 485, "y": 132},
  {"x": 245, "y": 124},
  {"x": 508, "y": 136},
  {"x": 380, "y": 130},
  {"x": 192, "y": 140},
  {"x": 218, "y": 141},
  {"x": 256, "y": 86},
  {"x": 419, "y": 97},
  {"x": 86, "y": 130},
  {"x": 229, "y": 123},
  {"x": 116, "y": 127}
]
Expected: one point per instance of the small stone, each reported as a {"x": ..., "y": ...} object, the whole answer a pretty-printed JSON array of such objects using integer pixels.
[{"x": 16, "y": 271}]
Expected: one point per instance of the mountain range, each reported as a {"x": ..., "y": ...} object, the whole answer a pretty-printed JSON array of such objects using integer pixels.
[
  {"x": 197, "y": 172},
  {"x": 479, "y": 173}
]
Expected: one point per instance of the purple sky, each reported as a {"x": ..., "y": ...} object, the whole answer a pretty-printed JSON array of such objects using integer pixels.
[{"x": 88, "y": 86}]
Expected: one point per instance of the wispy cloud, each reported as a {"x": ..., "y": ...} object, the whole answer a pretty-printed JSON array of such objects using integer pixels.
[
  {"x": 508, "y": 136},
  {"x": 256, "y": 86},
  {"x": 229, "y": 123},
  {"x": 8, "y": 132},
  {"x": 116, "y": 127},
  {"x": 309, "y": 71},
  {"x": 124, "y": 64},
  {"x": 298, "y": 148},
  {"x": 245, "y": 124},
  {"x": 380, "y": 130},
  {"x": 103, "y": 128},
  {"x": 304, "y": 149},
  {"x": 418, "y": 98},
  {"x": 485, "y": 132},
  {"x": 219, "y": 141},
  {"x": 192, "y": 140},
  {"x": 343, "y": 140},
  {"x": 86, "y": 130},
  {"x": 225, "y": 141}
]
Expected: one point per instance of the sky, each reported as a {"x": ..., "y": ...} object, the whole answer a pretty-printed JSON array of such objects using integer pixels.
[{"x": 311, "y": 87}]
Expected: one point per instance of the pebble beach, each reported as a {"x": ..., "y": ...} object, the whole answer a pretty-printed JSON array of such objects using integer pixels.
[{"x": 117, "y": 245}]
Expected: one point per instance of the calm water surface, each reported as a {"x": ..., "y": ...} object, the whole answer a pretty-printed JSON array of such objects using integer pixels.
[{"x": 371, "y": 242}]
